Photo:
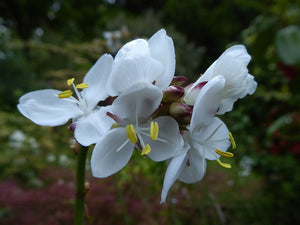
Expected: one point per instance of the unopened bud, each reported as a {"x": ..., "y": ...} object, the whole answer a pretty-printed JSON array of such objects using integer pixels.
[
  {"x": 181, "y": 112},
  {"x": 192, "y": 94},
  {"x": 87, "y": 186},
  {"x": 72, "y": 127},
  {"x": 179, "y": 80},
  {"x": 74, "y": 146},
  {"x": 173, "y": 93},
  {"x": 162, "y": 110}
]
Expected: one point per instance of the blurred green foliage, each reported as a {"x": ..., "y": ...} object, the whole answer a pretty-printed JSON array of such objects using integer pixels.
[
  {"x": 42, "y": 43},
  {"x": 288, "y": 45}
]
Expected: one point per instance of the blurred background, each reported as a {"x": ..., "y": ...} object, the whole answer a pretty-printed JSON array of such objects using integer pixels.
[{"x": 43, "y": 43}]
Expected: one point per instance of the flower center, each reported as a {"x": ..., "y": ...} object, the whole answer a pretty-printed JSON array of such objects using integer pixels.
[
  {"x": 69, "y": 93},
  {"x": 135, "y": 137}
]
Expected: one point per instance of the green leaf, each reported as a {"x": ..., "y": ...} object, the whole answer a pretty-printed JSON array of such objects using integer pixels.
[{"x": 288, "y": 45}]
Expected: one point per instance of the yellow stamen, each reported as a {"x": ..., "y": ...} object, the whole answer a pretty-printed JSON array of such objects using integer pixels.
[
  {"x": 131, "y": 134},
  {"x": 70, "y": 81},
  {"x": 232, "y": 141},
  {"x": 154, "y": 130},
  {"x": 82, "y": 85},
  {"x": 225, "y": 165},
  {"x": 225, "y": 154},
  {"x": 146, "y": 150},
  {"x": 65, "y": 94}
]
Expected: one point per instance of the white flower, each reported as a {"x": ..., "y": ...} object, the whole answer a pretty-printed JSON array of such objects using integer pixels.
[
  {"x": 206, "y": 138},
  {"x": 52, "y": 107},
  {"x": 160, "y": 139},
  {"x": 232, "y": 64},
  {"x": 151, "y": 61}
]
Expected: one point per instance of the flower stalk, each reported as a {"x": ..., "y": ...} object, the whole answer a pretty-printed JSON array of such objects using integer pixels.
[{"x": 79, "y": 211}]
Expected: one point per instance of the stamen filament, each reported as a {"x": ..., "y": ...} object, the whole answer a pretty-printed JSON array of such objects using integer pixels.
[
  {"x": 154, "y": 130},
  {"x": 146, "y": 150},
  {"x": 232, "y": 141},
  {"x": 82, "y": 85},
  {"x": 157, "y": 139},
  {"x": 65, "y": 94},
  {"x": 70, "y": 81},
  {"x": 121, "y": 147},
  {"x": 77, "y": 92},
  {"x": 141, "y": 141},
  {"x": 131, "y": 134},
  {"x": 225, "y": 154},
  {"x": 225, "y": 165}
]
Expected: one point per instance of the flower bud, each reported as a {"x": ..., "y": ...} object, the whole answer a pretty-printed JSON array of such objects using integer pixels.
[
  {"x": 179, "y": 80},
  {"x": 191, "y": 95},
  {"x": 74, "y": 146},
  {"x": 173, "y": 94},
  {"x": 181, "y": 112},
  {"x": 87, "y": 186},
  {"x": 72, "y": 126},
  {"x": 162, "y": 110}
]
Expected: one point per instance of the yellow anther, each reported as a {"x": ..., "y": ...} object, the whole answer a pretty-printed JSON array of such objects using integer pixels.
[
  {"x": 225, "y": 165},
  {"x": 82, "y": 85},
  {"x": 146, "y": 150},
  {"x": 131, "y": 134},
  {"x": 225, "y": 154},
  {"x": 70, "y": 81},
  {"x": 154, "y": 130},
  {"x": 232, "y": 141},
  {"x": 65, "y": 94}
]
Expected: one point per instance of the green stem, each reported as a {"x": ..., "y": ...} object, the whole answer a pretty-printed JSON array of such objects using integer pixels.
[{"x": 80, "y": 187}]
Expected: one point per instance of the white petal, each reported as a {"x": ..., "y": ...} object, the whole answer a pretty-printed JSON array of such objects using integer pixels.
[
  {"x": 162, "y": 49},
  {"x": 131, "y": 71},
  {"x": 238, "y": 83},
  {"x": 233, "y": 71},
  {"x": 133, "y": 49},
  {"x": 208, "y": 74},
  {"x": 226, "y": 105},
  {"x": 107, "y": 157},
  {"x": 250, "y": 86},
  {"x": 138, "y": 102},
  {"x": 44, "y": 107},
  {"x": 90, "y": 129},
  {"x": 192, "y": 92},
  {"x": 207, "y": 103},
  {"x": 169, "y": 142},
  {"x": 232, "y": 64},
  {"x": 194, "y": 169},
  {"x": 209, "y": 138},
  {"x": 239, "y": 52},
  {"x": 96, "y": 79},
  {"x": 173, "y": 171}
]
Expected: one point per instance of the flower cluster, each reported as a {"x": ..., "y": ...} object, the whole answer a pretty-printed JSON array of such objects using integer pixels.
[{"x": 134, "y": 102}]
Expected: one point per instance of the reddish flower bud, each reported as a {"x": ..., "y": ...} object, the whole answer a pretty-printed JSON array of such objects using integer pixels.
[
  {"x": 179, "y": 80},
  {"x": 173, "y": 94},
  {"x": 72, "y": 126},
  {"x": 181, "y": 112}
]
